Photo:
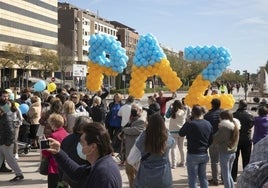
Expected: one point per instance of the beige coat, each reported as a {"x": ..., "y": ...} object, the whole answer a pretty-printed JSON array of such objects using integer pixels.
[
  {"x": 34, "y": 113},
  {"x": 223, "y": 136}
]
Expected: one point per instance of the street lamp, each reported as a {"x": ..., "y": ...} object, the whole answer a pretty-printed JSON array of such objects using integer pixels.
[
  {"x": 246, "y": 74},
  {"x": 27, "y": 59}
]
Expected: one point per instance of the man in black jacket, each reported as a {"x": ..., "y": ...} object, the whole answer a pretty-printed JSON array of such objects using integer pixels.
[
  {"x": 245, "y": 139},
  {"x": 3, "y": 101},
  {"x": 7, "y": 136}
]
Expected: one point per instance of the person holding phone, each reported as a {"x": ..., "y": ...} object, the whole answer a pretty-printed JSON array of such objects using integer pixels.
[
  {"x": 103, "y": 171},
  {"x": 56, "y": 122}
]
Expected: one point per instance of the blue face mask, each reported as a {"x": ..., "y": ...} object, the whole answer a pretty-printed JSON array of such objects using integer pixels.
[{"x": 79, "y": 151}]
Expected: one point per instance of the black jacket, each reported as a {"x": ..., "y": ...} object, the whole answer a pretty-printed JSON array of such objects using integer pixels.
[
  {"x": 213, "y": 116},
  {"x": 98, "y": 114},
  {"x": 153, "y": 108},
  {"x": 69, "y": 145},
  {"x": 246, "y": 120},
  {"x": 7, "y": 134}
]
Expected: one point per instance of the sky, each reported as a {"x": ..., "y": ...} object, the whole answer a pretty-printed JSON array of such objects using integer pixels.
[{"x": 239, "y": 25}]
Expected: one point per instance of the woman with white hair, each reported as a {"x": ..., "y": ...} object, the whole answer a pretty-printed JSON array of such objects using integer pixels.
[{"x": 97, "y": 111}]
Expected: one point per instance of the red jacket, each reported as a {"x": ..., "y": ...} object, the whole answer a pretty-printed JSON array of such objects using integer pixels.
[{"x": 58, "y": 135}]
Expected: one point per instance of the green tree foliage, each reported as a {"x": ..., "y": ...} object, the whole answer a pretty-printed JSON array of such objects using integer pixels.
[
  {"x": 187, "y": 71},
  {"x": 231, "y": 77},
  {"x": 49, "y": 61},
  {"x": 15, "y": 55},
  {"x": 6, "y": 57}
]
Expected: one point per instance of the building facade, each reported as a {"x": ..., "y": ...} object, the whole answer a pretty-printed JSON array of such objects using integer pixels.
[
  {"x": 30, "y": 25},
  {"x": 75, "y": 27}
]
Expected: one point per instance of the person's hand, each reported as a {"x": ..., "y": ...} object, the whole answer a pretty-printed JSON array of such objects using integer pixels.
[
  {"x": 83, "y": 104},
  {"x": 174, "y": 95},
  {"x": 54, "y": 146}
]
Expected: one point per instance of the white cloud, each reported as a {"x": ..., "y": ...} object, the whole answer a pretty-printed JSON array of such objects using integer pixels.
[{"x": 253, "y": 20}]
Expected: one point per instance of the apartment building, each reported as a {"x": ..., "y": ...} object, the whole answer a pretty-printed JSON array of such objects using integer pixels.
[
  {"x": 30, "y": 25},
  {"x": 75, "y": 27}
]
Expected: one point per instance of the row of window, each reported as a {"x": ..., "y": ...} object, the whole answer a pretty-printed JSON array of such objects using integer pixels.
[{"x": 105, "y": 29}]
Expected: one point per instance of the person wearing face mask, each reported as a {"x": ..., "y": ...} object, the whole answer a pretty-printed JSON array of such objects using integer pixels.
[
  {"x": 71, "y": 145},
  {"x": 132, "y": 130},
  {"x": 103, "y": 172}
]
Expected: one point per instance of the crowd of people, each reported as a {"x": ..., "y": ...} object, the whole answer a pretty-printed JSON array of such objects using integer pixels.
[{"x": 87, "y": 132}]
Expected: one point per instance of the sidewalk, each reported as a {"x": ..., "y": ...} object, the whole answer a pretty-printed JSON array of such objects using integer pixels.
[{"x": 29, "y": 165}]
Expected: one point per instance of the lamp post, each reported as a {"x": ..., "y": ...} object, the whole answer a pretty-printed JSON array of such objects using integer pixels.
[
  {"x": 246, "y": 74},
  {"x": 27, "y": 59}
]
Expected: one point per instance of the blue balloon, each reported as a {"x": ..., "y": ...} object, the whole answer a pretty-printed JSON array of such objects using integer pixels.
[
  {"x": 101, "y": 45},
  {"x": 148, "y": 50},
  {"x": 24, "y": 108},
  {"x": 40, "y": 86}
]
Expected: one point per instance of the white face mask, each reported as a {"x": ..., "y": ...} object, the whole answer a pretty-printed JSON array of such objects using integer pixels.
[{"x": 79, "y": 151}]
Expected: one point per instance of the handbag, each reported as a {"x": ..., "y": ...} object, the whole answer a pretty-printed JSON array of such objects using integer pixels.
[
  {"x": 134, "y": 157},
  {"x": 43, "y": 168}
]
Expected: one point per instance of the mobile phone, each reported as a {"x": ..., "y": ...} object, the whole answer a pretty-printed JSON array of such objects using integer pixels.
[{"x": 44, "y": 144}]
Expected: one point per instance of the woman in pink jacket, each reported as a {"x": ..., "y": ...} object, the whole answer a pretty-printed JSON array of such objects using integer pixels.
[{"x": 56, "y": 122}]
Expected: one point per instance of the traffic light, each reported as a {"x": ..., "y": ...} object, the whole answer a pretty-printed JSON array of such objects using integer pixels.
[{"x": 247, "y": 75}]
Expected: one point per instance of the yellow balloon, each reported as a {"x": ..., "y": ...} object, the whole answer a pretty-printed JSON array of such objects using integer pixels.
[
  {"x": 51, "y": 87},
  {"x": 17, "y": 104}
]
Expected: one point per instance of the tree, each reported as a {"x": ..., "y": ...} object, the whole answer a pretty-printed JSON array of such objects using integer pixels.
[
  {"x": 231, "y": 77},
  {"x": 15, "y": 56},
  {"x": 193, "y": 69},
  {"x": 6, "y": 57},
  {"x": 187, "y": 71},
  {"x": 49, "y": 61},
  {"x": 66, "y": 59}
]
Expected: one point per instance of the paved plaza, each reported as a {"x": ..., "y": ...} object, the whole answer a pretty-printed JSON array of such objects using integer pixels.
[{"x": 29, "y": 164}]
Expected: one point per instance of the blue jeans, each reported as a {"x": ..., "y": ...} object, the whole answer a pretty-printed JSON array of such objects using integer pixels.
[
  {"x": 226, "y": 163},
  {"x": 214, "y": 155},
  {"x": 196, "y": 167}
]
